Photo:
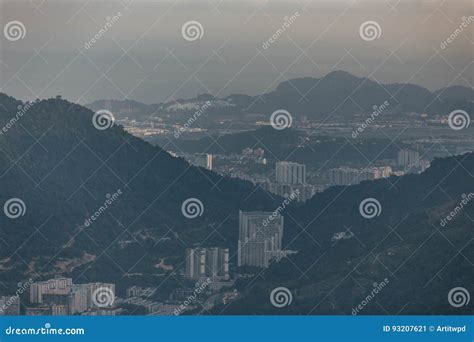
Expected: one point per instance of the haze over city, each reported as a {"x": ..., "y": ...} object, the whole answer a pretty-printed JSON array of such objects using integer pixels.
[
  {"x": 236, "y": 158},
  {"x": 143, "y": 56}
]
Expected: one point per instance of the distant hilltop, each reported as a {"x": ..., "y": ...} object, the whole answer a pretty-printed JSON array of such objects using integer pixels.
[{"x": 338, "y": 95}]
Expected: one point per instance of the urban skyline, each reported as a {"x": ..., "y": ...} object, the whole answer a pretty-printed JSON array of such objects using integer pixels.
[{"x": 236, "y": 158}]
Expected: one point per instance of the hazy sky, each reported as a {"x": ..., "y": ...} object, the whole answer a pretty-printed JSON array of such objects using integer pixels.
[{"x": 143, "y": 55}]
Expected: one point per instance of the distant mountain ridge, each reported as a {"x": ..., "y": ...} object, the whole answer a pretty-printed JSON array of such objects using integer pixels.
[{"x": 338, "y": 95}]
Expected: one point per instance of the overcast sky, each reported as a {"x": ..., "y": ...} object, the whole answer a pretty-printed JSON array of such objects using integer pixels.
[{"x": 143, "y": 55}]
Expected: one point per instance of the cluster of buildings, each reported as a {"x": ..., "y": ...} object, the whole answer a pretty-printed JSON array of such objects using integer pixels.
[
  {"x": 290, "y": 173},
  {"x": 259, "y": 243},
  {"x": 205, "y": 160},
  {"x": 210, "y": 263},
  {"x": 236, "y": 165},
  {"x": 290, "y": 178},
  {"x": 59, "y": 296},
  {"x": 408, "y": 161},
  {"x": 350, "y": 176},
  {"x": 139, "y": 301}
]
